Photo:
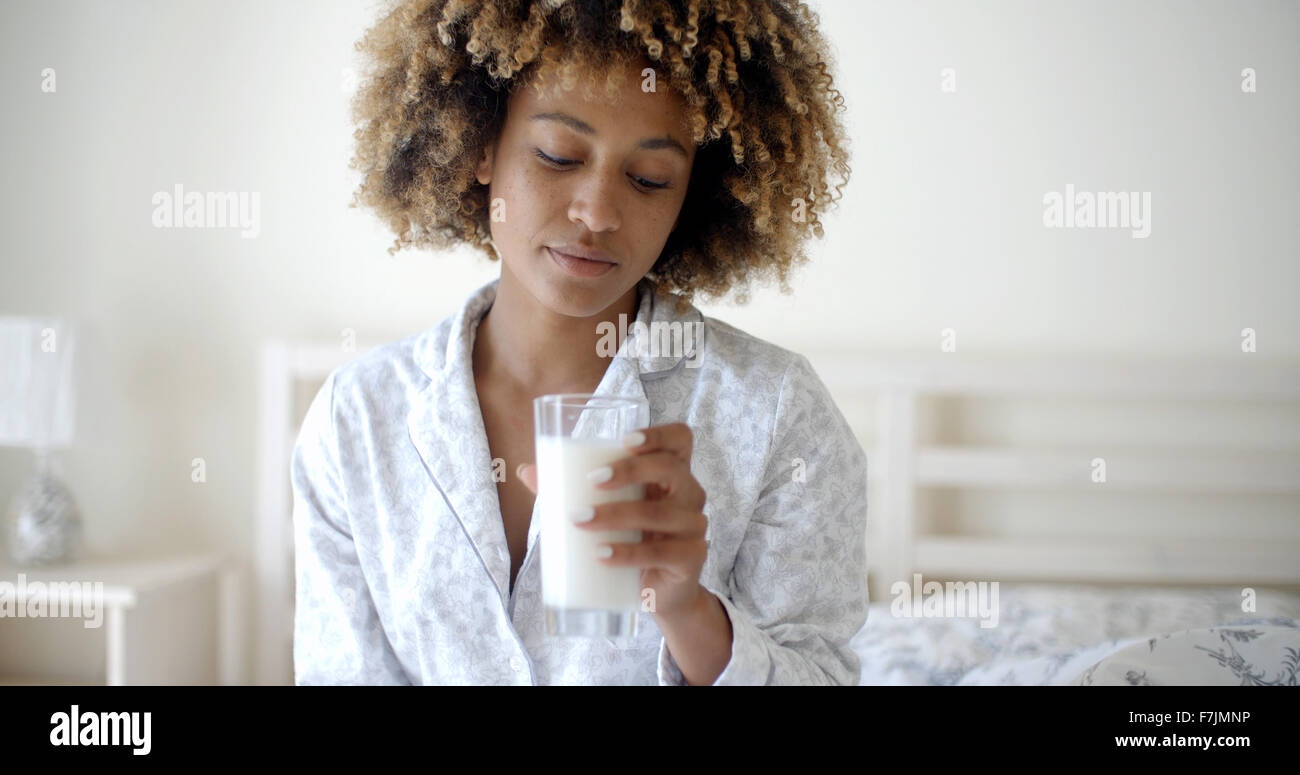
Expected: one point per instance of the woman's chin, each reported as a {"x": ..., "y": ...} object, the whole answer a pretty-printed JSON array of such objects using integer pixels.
[{"x": 573, "y": 296}]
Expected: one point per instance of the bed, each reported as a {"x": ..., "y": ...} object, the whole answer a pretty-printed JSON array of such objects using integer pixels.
[
  {"x": 1167, "y": 552},
  {"x": 1082, "y": 634},
  {"x": 1169, "y": 593}
]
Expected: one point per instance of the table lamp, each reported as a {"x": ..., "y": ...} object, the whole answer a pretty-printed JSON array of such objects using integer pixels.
[{"x": 37, "y": 411}]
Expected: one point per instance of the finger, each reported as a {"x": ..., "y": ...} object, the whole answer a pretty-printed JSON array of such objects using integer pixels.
[
  {"x": 682, "y": 556},
  {"x": 660, "y": 516},
  {"x": 676, "y": 438},
  {"x": 662, "y": 469},
  {"x": 527, "y": 473}
]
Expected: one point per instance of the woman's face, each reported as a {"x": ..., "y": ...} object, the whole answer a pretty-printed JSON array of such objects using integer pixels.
[{"x": 568, "y": 172}]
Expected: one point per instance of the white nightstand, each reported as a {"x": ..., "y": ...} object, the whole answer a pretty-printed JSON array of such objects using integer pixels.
[{"x": 161, "y": 620}]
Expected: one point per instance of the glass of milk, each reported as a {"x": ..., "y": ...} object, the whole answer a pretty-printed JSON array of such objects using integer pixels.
[{"x": 576, "y": 433}]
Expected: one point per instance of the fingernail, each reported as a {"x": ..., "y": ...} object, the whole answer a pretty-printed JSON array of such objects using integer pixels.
[
  {"x": 602, "y": 474},
  {"x": 604, "y": 550},
  {"x": 519, "y": 470},
  {"x": 584, "y": 514},
  {"x": 634, "y": 439}
]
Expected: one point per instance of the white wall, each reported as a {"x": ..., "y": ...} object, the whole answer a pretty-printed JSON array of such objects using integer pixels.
[
  {"x": 946, "y": 201},
  {"x": 941, "y": 226}
]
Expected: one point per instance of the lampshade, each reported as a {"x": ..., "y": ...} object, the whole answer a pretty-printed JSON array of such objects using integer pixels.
[{"x": 37, "y": 401}]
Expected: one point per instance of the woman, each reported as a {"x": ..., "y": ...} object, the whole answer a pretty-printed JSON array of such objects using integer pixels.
[{"x": 618, "y": 158}]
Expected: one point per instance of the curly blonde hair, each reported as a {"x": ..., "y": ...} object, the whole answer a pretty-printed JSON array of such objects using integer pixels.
[{"x": 754, "y": 75}]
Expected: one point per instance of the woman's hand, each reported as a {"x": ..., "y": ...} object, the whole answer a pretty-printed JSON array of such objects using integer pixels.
[{"x": 672, "y": 548}]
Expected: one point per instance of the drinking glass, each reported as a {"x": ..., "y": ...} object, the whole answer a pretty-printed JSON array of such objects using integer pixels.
[{"x": 576, "y": 433}]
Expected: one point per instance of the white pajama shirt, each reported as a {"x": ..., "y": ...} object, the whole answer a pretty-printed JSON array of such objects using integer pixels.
[{"x": 401, "y": 566}]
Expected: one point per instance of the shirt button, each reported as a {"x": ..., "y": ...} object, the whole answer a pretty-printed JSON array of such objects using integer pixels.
[{"x": 515, "y": 665}]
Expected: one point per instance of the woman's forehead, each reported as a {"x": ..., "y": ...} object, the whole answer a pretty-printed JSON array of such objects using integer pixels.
[
  {"x": 595, "y": 92},
  {"x": 607, "y": 73},
  {"x": 650, "y": 127}
]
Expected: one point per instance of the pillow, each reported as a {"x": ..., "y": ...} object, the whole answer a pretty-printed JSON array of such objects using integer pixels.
[{"x": 1260, "y": 652}]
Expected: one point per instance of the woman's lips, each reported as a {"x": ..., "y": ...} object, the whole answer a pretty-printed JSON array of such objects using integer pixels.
[{"x": 579, "y": 267}]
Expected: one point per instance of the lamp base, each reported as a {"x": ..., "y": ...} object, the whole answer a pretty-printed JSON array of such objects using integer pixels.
[{"x": 44, "y": 524}]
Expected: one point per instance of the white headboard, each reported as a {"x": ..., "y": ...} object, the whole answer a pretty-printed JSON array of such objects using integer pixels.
[
  {"x": 902, "y": 465},
  {"x": 290, "y": 374}
]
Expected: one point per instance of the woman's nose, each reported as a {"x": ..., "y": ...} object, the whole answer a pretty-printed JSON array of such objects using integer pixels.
[{"x": 595, "y": 203}]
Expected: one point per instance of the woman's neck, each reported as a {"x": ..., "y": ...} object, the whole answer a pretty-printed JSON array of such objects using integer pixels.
[{"x": 523, "y": 347}]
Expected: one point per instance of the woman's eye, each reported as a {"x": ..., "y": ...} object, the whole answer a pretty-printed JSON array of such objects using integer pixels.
[
  {"x": 649, "y": 183},
  {"x": 551, "y": 160}
]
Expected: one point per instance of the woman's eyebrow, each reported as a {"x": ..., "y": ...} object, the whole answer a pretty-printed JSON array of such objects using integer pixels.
[{"x": 578, "y": 125}]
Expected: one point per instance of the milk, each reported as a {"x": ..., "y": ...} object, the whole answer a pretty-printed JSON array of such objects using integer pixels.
[{"x": 572, "y": 575}]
